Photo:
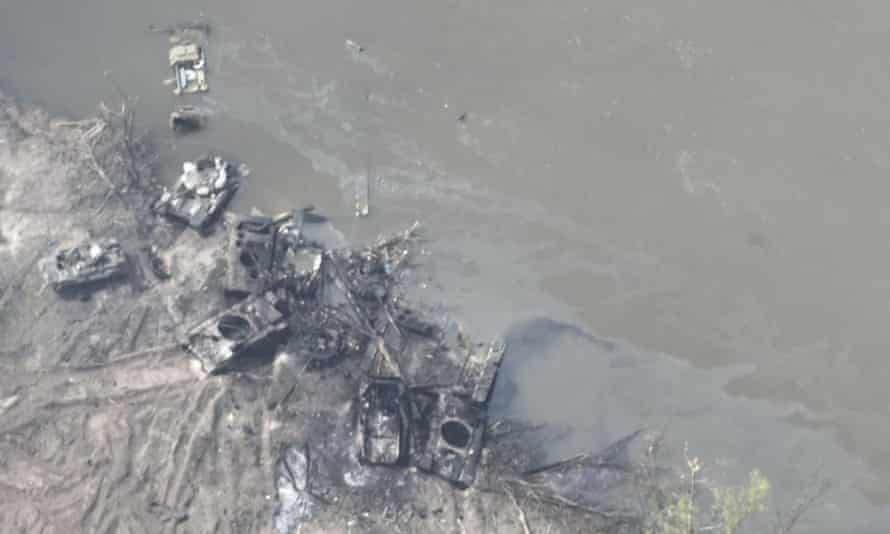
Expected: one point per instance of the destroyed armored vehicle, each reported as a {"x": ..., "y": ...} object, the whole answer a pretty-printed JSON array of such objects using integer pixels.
[
  {"x": 266, "y": 253},
  {"x": 450, "y": 423},
  {"x": 410, "y": 320},
  {"x": 325, "y": 336},
  {"x": 187, "y": 61},
  {"x": 480, "y": 371},
  {"x": 298, "y": 268},
  {"x": 202, "y": 192},
  {"x": 92, "y": 261},
  {"x": 251, "y": 251},
  {"x": 383, "y": 421},
  {"x": 251, "y": 324},
  {"x": 368, "y": 273},
  {"x": 448, "y": 434}
]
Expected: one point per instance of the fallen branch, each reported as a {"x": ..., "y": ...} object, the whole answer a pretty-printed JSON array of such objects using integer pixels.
[
  {"x": 101, "y": 207},
  {"x": 86, "y": 140},
  {"x": 522, "y": 520}
]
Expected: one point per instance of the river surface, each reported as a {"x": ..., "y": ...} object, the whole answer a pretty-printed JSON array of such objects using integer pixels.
[{"x": 675, "y": 211}]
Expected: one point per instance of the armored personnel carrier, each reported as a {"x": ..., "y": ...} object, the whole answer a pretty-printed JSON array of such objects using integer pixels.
[{"x": 91, "y": 261}]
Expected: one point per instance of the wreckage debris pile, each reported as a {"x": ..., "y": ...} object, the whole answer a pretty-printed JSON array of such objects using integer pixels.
[{"x": 329, "y": 305}]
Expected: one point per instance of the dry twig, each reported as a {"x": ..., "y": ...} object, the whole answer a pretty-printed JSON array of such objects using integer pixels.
[{"x": 522, "y": 519}]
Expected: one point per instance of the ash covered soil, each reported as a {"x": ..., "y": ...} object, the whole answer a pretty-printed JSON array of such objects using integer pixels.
[{"x": 108, "y": 425}]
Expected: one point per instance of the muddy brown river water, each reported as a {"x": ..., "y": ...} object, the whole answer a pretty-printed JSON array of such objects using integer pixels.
[{"x": 675, "y": 211}]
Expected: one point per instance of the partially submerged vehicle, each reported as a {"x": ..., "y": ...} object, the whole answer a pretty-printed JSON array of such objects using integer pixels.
[
  {"x": 187, "y": 61},
  {"x": 204, "y": 189},
  {"x": 480, "y": 371},
  {"x": 186, "y": 119},
  {"x": 89, "y": 262}
]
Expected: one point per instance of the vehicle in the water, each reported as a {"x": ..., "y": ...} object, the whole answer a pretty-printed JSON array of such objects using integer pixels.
[
  {"x": 186, "y": 119},
  {"x": 204, "y": 189},
  {"x": 187, "y": 61}
]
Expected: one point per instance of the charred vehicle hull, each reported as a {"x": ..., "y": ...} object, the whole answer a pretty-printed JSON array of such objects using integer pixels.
[
  {"x": 383, "y": 421},
  {"x": 251, "y": 324}
]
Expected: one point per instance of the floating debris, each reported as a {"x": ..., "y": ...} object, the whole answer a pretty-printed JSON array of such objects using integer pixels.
[
  {"x": 180, "y": 27},
  {"x": 362, "y": 196}
]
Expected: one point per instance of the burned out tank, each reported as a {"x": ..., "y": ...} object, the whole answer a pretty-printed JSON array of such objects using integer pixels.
[
  {"x": 250, "y": 254},
  {"x": 89, "y": 262},
  {"x": 383, "y": 422}
]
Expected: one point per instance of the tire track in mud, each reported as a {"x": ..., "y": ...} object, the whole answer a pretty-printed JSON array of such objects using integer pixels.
[
  {"x": 77, "y": 433},
  {"x": 191, "y": 443}
]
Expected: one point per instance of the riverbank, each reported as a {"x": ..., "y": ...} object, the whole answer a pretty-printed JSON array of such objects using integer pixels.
[{"x": 107, "y": 425}]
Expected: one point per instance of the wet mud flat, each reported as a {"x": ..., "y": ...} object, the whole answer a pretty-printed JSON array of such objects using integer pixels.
[{"x": 107, "y": 423}]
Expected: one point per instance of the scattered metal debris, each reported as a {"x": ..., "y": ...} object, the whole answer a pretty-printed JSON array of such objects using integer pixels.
[
  {"x": 326, "y": 335},
  {"x": 295, "y": 503},
  {"x": 328, "y": 305},
  {"x": 362, "y": 196},
  {"x": 203, "y": 190},
  {"x": 265, "y": 253},
  {"x": 157, "y": 263},
  {"x": 91, "y": 261}
]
